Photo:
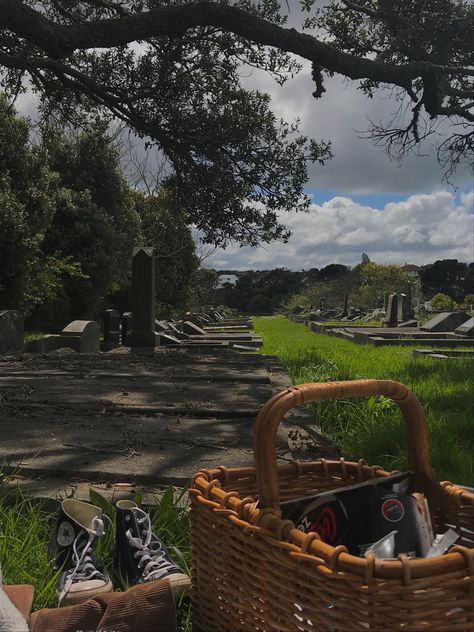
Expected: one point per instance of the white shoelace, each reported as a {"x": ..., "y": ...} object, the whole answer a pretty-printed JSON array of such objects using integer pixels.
[
  {"x": 84, "y": 569},
  {"x": 150, "y": 553}
]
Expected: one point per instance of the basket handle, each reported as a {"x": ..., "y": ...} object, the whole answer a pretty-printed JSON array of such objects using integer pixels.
[{"x": 271, "y": 414}]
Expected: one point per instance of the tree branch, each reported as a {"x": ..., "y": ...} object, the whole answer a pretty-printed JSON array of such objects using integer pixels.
[{"x": 60, "y": 41}]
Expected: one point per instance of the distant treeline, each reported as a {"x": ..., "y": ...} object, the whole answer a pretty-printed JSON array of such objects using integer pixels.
[{"x": 267, "y": 291}]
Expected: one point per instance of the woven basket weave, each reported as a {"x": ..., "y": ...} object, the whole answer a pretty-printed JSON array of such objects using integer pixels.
[{"x": 254, "y": 571}]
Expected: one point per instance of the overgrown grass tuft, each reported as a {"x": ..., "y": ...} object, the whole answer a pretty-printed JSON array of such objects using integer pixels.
[
  {"x": 26, "y": 527},
  {"x": 371, "y": 428},
  {"x": 30, "y": 336},
  {"x": 24, "y": 534}
]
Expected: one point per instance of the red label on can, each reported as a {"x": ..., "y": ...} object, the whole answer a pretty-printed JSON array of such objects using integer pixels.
[{"x": 393, "y": 510}]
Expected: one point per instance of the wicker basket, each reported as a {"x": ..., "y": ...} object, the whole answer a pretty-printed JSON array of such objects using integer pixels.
[{"x": 254, "y": 571}]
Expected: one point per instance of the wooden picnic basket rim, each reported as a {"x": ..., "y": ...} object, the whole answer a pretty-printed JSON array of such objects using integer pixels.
[{"x": 211, "y": 487}]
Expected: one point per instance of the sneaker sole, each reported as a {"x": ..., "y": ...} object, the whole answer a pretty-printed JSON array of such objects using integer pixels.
[{"x": 72, "y": 599}]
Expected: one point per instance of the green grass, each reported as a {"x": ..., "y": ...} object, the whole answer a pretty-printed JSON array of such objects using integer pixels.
[
  {"x": 371, "y": 428},
  {"x": 26, "y": 527},
  {"x": 30, "y": 336}
]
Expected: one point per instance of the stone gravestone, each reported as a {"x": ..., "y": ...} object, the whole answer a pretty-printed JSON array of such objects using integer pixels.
[
  {"x": 402, "y": 308},
  {"x": 466, "y": 329},
  {"x": 168, "y": 340},
  {"x": 345, "y": 311},
  {"x": 82, "y": 335},
  {"x": 162, "y": 326},
  {"x": 410, "y": 313},
  {"x": 127, "y": 324},
  {"x": 192, "y": 329},
  {"x": 111, "y": 321},
  {"x": 446, "y": 321},
  {"x": 11, "y": 331},
  {"x": 392, "y": 311},
  {"x": 143, "y": 299}
]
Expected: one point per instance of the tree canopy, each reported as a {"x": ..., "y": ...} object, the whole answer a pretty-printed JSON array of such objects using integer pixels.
[
  {"x": 69, "y": 222},
  {"x": 172, "y": 72}
]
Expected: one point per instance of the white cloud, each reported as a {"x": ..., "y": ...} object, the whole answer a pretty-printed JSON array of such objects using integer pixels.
[{"x": 420, "y": 229}]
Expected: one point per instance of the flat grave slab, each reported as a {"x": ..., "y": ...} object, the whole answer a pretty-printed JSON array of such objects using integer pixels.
[
  {"x": 380, "y": 336},
  {"x": 152, "y": 419}
]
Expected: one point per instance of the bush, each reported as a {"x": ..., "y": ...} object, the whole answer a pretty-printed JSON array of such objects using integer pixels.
[{"x": 443, "y": 302}]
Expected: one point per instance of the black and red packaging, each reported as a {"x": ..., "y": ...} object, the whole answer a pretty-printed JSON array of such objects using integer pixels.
[{"x": 359, "y": 515}]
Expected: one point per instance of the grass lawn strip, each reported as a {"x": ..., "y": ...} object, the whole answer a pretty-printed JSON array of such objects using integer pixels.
[{"x": 371, "y": 429}]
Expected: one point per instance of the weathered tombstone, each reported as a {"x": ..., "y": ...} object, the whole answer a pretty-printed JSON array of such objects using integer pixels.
[
  {"x": 127, "y": 324},
  {"x": 82, "y": 336},
  {"x": 46, "y": 344},
  {"x": 345, "y": 311},
  {"x": 402, "y": 308},
  {"x": 410, "y": 314},
  {"x": 168, "y": 340},
  {"x": 161, "y": 326},
  {"x": 192, "y": 329},
  {"x": 213, "y": 315},
  {"x": 193, "y": 318},
  {"x": 143, "y": 299},
  {"x": 392, "y": 311},
  {"x": 176, "y": 332},
  {"x": 466, "y": 329},
  {"x": 111, "y": 321},
  {"x": 408, "y": 323},
  {"x": 11, "y": 331},
  {"x": 446, "y": 321}
]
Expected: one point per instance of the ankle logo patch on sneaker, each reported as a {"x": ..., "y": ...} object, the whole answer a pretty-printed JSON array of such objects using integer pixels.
[{"x": 65, "y": 535}]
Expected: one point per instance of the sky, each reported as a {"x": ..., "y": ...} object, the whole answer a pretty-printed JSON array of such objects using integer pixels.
[{"x": 361, "y": 200}]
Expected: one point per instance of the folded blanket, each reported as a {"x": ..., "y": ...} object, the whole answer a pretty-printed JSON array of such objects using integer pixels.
[{"x": 11, "y": 618}]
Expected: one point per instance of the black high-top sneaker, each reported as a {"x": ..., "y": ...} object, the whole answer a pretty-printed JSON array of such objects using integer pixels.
[
  {"x": 81, "y": 576},
  {"x": 140, "y": 556}
]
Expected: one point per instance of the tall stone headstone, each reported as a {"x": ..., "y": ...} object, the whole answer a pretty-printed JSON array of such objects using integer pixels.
[
  {"x": 111, "y": 322},
  {"x": 409, "y": 310},
  {"x": 127, "y": 325},
  {"x": 143, "y": 299},
  {"x": 401, "y": 308},
  {"x": 345, "y": 311},
  {"x": 11, "y": 331},
  {"x": 391, "y": 316}
]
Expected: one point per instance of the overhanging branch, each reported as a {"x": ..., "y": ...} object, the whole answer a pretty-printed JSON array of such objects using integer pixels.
[{"x": 60, "y": 41}]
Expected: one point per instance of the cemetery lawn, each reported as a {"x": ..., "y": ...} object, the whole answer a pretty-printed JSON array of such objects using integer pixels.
[{"x": 371, "y": 428}]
